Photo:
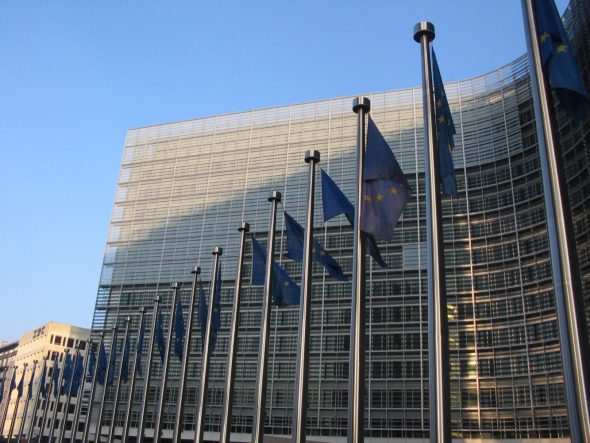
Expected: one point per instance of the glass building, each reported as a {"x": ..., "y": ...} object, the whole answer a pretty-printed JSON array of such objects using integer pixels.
[{"x": 184, "y": 188}]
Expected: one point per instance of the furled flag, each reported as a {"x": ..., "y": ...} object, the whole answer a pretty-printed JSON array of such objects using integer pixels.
[
  {"x": 101, "y": 370},
  {"x": 335, "y": 203},
  {"x": 125, "y": 358},
  {"x": 67, "y": 377},
  {"x": 19, "y": 388},
  {"x": 178, "y": 330},
  {"x": 216, "y": 318},
  {"x": 1, "y": 390},
  {"x": 295, "y": 236},
  {"x": 30, "y": 388},
  {"x": 559, "y": 62},
  {"x": 284, "y": 290},
  {"x": 139, "y": 349},
  {"x": 385, "y": 188},
  {"x": 445, "y": 130},
  {"x": 113, "y": 361},
  {"x": 78, "y": 373},
  {"x": 55, "y": 376},
  {"x": 203, "y": 314},
  {"x": 92, "y": 362},
  {"x": 160, "y": 335},
  {"x": 42, "y": 388}
]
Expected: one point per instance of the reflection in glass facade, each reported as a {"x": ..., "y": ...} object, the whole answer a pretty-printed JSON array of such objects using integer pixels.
[{"x": 184, "y": 187}]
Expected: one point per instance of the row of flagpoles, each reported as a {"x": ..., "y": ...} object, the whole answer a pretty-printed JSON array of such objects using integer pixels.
[{"x": 382, "y": 192}]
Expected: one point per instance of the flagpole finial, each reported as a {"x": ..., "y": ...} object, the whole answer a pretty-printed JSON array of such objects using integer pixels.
[
  {"x": 128, "y": 319},
  {"x": 142, "y": 310},
  {"x": 275, "y": 196},
  {"x": 157, "y": 299},
  {"x": 312, "y": 155},
  {"x": 175, "y": 286},
  {"x": 361, "y": 103},
  {"x": 217, "y": 250},
  {"x": 423, "y": 28},
  {"x": 196, "y": 270},
  {"x": 244, "y": 226}
]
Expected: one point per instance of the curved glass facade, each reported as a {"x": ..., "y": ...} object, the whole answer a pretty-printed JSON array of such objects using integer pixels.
[{"x": 184, "y": 187}]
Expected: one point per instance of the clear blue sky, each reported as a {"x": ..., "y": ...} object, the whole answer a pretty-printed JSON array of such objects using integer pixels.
[{"x": 75, "y": 75}]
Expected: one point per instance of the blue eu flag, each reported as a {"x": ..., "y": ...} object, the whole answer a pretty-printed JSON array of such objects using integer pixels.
[
  {"x": 19, "y": 388},
  {"x": 216, "y": 318},
  {"x": 559, "y": 62},
  {"x": 78, "y": 373},
  {"x": 445, "y": 130},
  {"x": 92, "y": 362},
  {"x": 178, "y": 329},
  {"x": 385, "y": 188},
  {"x": 113, "y": 360},
  {"x": 12, "y": 382},
  {"x": 284, "y": 290},
  {"x": 139, "y": 349},
  {"x": 203, "y": 314},
  {"x": 334, "y": 203},
  {"x": 42, "y": 388},
  {"x": 55, "y": 377},
  {"x": 30, "y": 388},
  {"x": 160, "y": 334},
  {"x": 101, "y": 370},
  {"x": 125, "y": 359},
  {"x": 295, "y": 234},
  {"x": 67, "y": 377}
]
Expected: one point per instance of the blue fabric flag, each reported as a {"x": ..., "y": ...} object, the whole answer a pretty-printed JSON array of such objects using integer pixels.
[
  {"x": 178, "y": 330},
  {"x": 67, "y": 377},
  {"x": 30, "y": 389},
  {"x": 559, "y": 62},
  {"x": 1, "y": 390},
  {"x": 55, "y": 377},
  {"x": 139, "y": 350},
  {"x": 113, "y": 361},
  {"x": 19, "y": 388},
  {"x": 335, "y": 203},
  {"x": 284, "y": 290},
  {"x": 125, "y": 359},
  {"x": 101, "y": 370},
  {"x": 216, "y": 317},
  {"x": 445, "y": 130},
  {"x": 160, "y": 334},
  {"x": 92, "y": 362},
  {"x": 203, "y": 314},
  {"x": 78, "y": 373},
  {"x": 12, "y": 382},
  {"x": 295, "y": 239},
  {"x": 385, "y": 188},
  {"x": 42, "y": 382}
]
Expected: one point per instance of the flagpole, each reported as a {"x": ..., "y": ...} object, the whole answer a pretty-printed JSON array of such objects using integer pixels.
[
  {"x": 160, "y": 414},
  {"x": 202, "y": 399},
  {"x": 98, "y": 430},
  {"x": 127, "y": 423},
  {"x": 111, "y": 425},
  {"x": 148, "y": 373},
  {"x": 62, "y": 426},
  {"x": 260, "y": 407},
  {"x": 36, "y": 402},
  {"x": 356, "y": 381},
  {"x": 21, "y": 427},
  {"x": 57, "y": 397},
  {"x": 5, "y": 412},
  {"x": 80, "y": 390},
  {"x": 438, "y": 334},
  {"x": 573, "y": 334},
  {"x": 302, "y": 372},
  {"x": 92, "y": 391},
  {"x": 185, "y": 353},
  {"x": 46, "y": 408},
  {"x": 15, "y": 408},
  {"x": 233, "y": 341}
]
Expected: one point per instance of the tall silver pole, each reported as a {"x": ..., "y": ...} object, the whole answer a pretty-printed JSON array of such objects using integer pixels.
[
  {"x": 202, "y": 399},
  {"x": 177, "y": 431},
  {"x": 127, "y": 423},
  {"x": 148, "y": 372},
  {"x": 14, "y": 412},
  {"x": 356, "y": 378},
  {"x": 46, "y": 408},
  {"x": 112, "y": 422},
  {"x": 302, "y": 373},
  {"x": 62, "y": 425},
  {"x": 438, "y": 332},
  {"x": 36, "y": 402},
  {"x": 92, "y": 391},
  {"x": 260, "y": 406},
  {"x": 103, "y": 400},
  {"x": 233, "y": 341},
  {"x": 160, "y": 414},
  {"x": 573, "y": 334},
  {"x": 21, "y": 428},
  {"x": 5, "y": 413},
  {"x": 58, "y": 397},
  {"x": 79, "y": 393}
]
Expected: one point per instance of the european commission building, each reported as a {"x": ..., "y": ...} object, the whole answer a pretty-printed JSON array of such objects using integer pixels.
[{"x": 185, "y": 187}]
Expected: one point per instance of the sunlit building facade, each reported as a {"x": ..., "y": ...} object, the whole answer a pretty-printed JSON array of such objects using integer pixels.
[{"x": 184, "y": 188}]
